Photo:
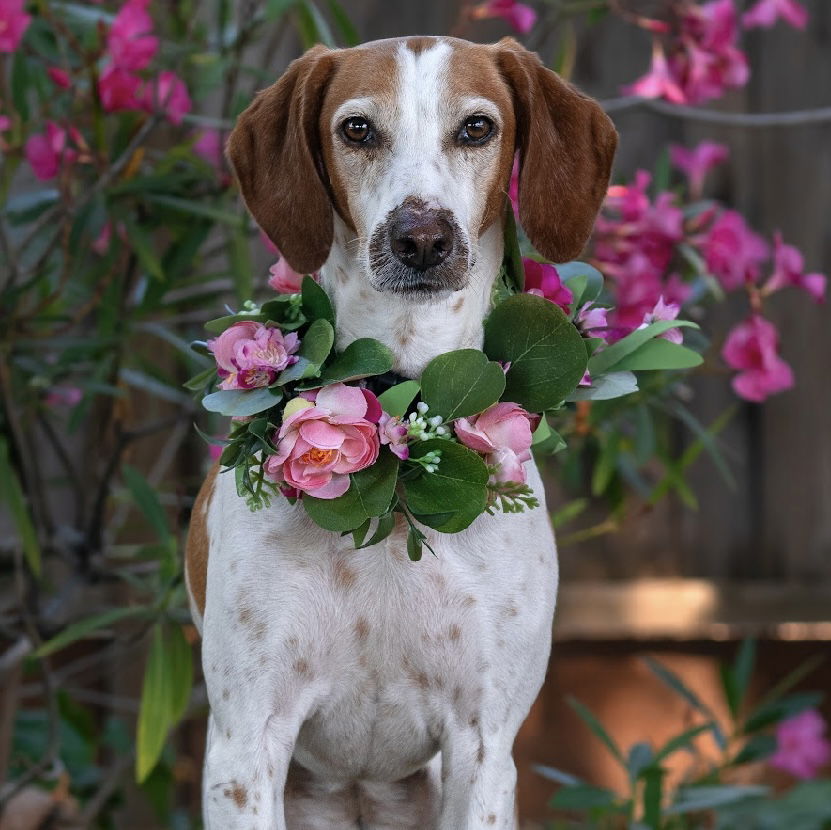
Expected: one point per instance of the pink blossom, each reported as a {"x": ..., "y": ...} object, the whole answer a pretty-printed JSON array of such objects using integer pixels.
[
  {"x": 513, "y": 187},
  {"x": 591, "y": 320},
  {"x": 119, "y": 89},
  {"x": 60, "y": 396},
  {"x": 788, "y": 269},
  {"x": 766, "y": 12},
  {"x": 268, "y": 243},
  {"x": 752, "y": 348},
  {"x": 394, "y": 434},
  {"x": 250, "y": 355},
  {"x": 129, "y": 43},
  {"x": 170, "y": 94},
  {"x": 5, "y": 123},
  {"x": 663, "y": 312},
  {"x": 732, "y": 252},
  {"x": 659, "y": 81},
  {"x": 208, "y": 146},
  {"x": 543, "y": 280},
  {"x": 519, "y": 15},
  {"x": 13, "y": 24},
  {"x": 101, "y": 243},
  {"x": 46, "y": 151},
  {"x": 284, "y": 279},
  {"x": 697, "y": 162},
  {"x": 801, "y": 746},
  {"x": 60, "y": 77},
  {"x": 503, "y": 434},
  {"x": 320, "y": 443}
]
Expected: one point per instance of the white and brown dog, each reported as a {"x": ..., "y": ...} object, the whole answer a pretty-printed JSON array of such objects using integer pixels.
[{"x": 357, "y": 689}]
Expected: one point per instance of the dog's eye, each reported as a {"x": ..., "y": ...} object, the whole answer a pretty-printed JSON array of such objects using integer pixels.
[
  {"x": 476, "y": 130},
  {"x": 357, "y": 130}
]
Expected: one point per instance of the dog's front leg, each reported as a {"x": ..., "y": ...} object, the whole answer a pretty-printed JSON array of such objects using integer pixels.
[
  {"x": 479, "y": 780},
  {"x": 247, "y": 762}
]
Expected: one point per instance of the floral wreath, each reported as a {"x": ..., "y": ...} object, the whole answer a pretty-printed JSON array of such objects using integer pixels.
[{"x": 356, "y": 444}]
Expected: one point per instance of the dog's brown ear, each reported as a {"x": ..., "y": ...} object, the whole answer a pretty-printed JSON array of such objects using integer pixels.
[
  {"x": 566, "y": 146},
  {"x": 274, "y": 150}
]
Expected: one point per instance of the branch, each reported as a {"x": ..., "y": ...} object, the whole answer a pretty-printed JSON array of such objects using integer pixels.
[{"x": 795, "y": 118}]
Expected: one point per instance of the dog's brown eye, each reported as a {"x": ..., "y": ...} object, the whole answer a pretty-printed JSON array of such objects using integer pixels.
[
  {"x": 476, "y": 130},
  {"x": 357, "y": 130}
]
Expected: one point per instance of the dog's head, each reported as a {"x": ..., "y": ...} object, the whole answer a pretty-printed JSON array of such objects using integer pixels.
[{"x": 412, "y": 142}]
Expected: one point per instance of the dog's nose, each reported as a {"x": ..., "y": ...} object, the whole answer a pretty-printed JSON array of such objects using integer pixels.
[{"x": 421, "y": 239}]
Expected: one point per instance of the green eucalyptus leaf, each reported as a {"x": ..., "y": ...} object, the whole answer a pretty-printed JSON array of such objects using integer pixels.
[
  {"x": 314, "y": 349},
  {"x": 461, "y": 383},
  {"x": 360, "y": 359},
  {"x": 242, "y": 402},
  {"x": 386, "y": 525},
  {"x": 659, "y": 354},
  {"x": 397, "y": 399},
  {"x": 614, "y": 385},
  {"x": 584, "y": 280},
  {"x": 414, "y": 546},
  {"x": 607, "y": 360},
  {"x": 316, "y": 302},
  {"x": 545, "y": 350},
  {"x": 198, "y": 382},
  {"x": 220, "y": 324}
]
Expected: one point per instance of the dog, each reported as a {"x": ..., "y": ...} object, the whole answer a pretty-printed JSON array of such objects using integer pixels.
[{"x": 358, "y": 689}]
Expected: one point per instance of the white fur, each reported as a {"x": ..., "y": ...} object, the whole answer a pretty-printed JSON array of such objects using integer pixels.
[{"x": 398, "y": 687}]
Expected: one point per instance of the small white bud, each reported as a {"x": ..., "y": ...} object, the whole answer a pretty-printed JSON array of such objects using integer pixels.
[
  {"x": 441, "y": 430},
  {"x": 435, "y": 420},
  {"x": 412, "y": 417},
  {"x": 424, "y": 436},
  {"x": 422, "y": 407}
]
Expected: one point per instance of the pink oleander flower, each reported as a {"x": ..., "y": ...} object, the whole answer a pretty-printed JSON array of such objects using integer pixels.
[
  {"x": 697, "y": 162},
  {"x": 662, "y": 312},
  {"x": 519, "y": 15},
  {"x": 732, "y": 252},
  {"x": 208, "y": 146},
  {"x": 503, "y": 434},
  {"x": 659, "y": 81},
  {"x": 168, "y": 93},
  {"x": 63, "y": 396},
  {"x": 752, "y": 348},
  {"x": 45, "y": 152},
  {"x": 5, "y": 123},
  {"x": 13, "y": 24},
  {"x": 543, "y": 280},
  {"x": 118, "y": 89},
  {"x": 59, "y": 77},
  {"x": 321, "y": 442},
  {"x": 250, "y": 355},
  {"x": 394, "y": 433},
  {"x": 129, "y": 42},
  {"x": 766, "y": 12},
  {"x": 284, "y": 279},
  {"x": 591, "y": 320},
  {"x": 801, "y": 746},
  {"x": 788, "y": 269}
]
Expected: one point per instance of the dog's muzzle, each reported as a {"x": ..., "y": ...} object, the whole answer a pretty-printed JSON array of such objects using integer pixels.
[{"x": 420, "y": 239}]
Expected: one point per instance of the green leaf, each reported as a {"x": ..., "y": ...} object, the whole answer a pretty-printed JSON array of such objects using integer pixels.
[
  {"x": 316, "y": 302},
  {"x": 512, "y": 257},
  {"x": 239, "y": 256},
  {"x": 198, "y": 382},
  {"x": 242, "y": 402},
  {"x": 682, "y": 741},
  {"x": 582, "y": 797},
  {"x": 348, "y": 31},
  {"x": 607, "y": 360},
  {"x": 756, "y": 749},
  {"x": 26, "y": 207},
  {"x": 144, "y": 248},
  {"x": 545, "y": 350},
  {"x": 275, "y": 9},
  {"x": 461, "y": 383},
  {"x": 220, "y": 324},
  {"x": 653, "y": 778},
  {"x": 457, "y": 487},
  {"x": 594, "y": 724},
  {"x": 660, "y": 354},
  {"x": 313, "y": 26},
  {"x": 147, "y": 501},
  {"x": 782, "y": 709},
  {"x": 397, "y": 399},
  {"x": 314, "y": 349},
  {"x": 640, "y": 757},
  {"x": 79, "y": 630},
  {"x": 386, "y": 524},
  {"x": 554, "y": 774},
  {"x": 693, "y": 799},
  {"x": 414, "y": 547},
  {"x": 360, "y": 359},
  {"x": 197, "y": 207},
  {"x": 606, "y": 387},
  {"x": 11, "y": 493},
  {"x": 20, "y": 83},
  {"x": 165, "y": 693},
  {"x": 370, "y": 493},
  {"x": 359, "y": 534},
  {"x": 584, "y": 280}
]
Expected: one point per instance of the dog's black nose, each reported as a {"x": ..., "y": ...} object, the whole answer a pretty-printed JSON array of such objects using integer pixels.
[{"x": 420, "y": 239}]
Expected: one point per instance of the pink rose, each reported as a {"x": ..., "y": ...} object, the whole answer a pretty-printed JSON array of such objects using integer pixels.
[
  {"x": 322, "y": 441},
  {"x": 284, "y": 279},
  {"x": 129, "y": 43},
  {"x": 543, "y": 280},
  {"x": 13, "y": 24},
  {"x": 250, "y": 355},
  {"x": 503, "y": 434},
  {"x": 752, "y": 348},
  {"x": 394, "y": 434},
  {"x": 801, "y": 746}
]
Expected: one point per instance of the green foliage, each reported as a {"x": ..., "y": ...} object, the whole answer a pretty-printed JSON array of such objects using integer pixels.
[{"x": 461, "y": 383}]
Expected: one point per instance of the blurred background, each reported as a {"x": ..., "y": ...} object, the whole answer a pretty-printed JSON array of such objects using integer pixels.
[{"x": 114, "y": 261}]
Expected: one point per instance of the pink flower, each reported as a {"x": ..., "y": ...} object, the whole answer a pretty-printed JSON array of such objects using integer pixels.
[
  {"x": 129, "y": 43},
  {"x": 766, "y": 12},
  {"x": 46, "y": 151},
  {"x": 60, "y": 77},
  {"x": 788, "y": 269},
  {"x": 801, "y": 746},
  {"x": 283, "y": 279},
  {"x": 732, "y": 252},
  {"x": 268, "y": 243},
  {"x": 170, "y": 94},
  {"x": 320, "y": 443},
  {"x": 503, "y": 434},
  {"x": 101, "y": 243},
  {"x": 519, "y": 15},
  {"x": 662, "y": 312},
  {"x": 659, "y": 81},
  {"x": 752, "y": 348},
  {"x": 208, "y": 146},
  {"x": 696, "y": 163},
  {"x": 543, "y": 280},
  {"x": 60, "y": 396},
  {"x": 591, "y": 320},
  {"x": 394, "y": 434},
  {"x": 119, "y": 89},
  {"x": 13, "y": 24},
  {"x": 250, "y": 355},
  {"x": 513, "y": 187}
]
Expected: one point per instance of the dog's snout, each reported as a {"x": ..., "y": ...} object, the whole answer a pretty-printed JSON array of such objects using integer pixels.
[{"x": 421, "y": 239}]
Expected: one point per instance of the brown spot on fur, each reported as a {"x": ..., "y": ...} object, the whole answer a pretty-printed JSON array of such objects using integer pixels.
[
  {"x": 361, "y": 628},
  {"x": 473, "y": 722},
  {"x": 492, "y": 818},
  {"x": 228, "y": 733},
  {"x": 480, "y": 754},
  {"x": 196, "y": 547},
  {"x": 454, "y": 632},
  {"x": 239, "y": 794},
  {"x": 302, "y": 667},
  {"x": 458, "y": 305},
  {"x": 422, "y": 680},
  {"x": 344, "y": 575},
  {"x": 469, "y": 601},
  {"x": 226, "y": 693},
  {"x": 292, "y": 642},
  {"x": 244, "y": 615}
]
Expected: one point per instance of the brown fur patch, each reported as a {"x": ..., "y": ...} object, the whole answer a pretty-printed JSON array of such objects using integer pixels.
[
  {"x": 196, "y": 547},
  {"x": 361, "y": 628},
  {"x": 302, "y": 668},
  {"x": 454, "y": 632},
  {"x": 344, "y": 575},
  {"x": 239, "y": 794}
]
